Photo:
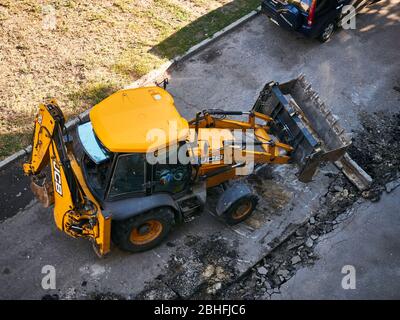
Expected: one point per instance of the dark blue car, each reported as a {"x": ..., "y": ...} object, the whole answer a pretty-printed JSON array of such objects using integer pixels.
[{"x": 313, "y": 18}]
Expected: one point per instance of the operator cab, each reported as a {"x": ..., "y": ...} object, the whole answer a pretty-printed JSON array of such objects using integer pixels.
[{"x": 121, "y": 130}]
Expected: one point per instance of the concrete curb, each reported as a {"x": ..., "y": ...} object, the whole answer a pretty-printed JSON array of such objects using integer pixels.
[{"x": 147, "y": 79}]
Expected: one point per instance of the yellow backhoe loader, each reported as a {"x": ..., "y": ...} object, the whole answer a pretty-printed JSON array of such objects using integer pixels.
[{"x": 136, "y": 167}]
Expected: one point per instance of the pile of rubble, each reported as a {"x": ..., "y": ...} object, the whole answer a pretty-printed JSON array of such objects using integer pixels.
[{"x": 200, "y": 269}]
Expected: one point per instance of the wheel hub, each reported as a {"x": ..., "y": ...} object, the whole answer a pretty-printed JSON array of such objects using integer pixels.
[
  {"x": 328, "y": 31},
  {"x": 144, "y": 229},
  {"x": 147, "y": 232},
  {"x": 242, "y": 210}
]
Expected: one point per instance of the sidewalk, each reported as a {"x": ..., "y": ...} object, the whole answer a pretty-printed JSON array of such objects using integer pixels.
[{"x": 369, "y": 241}]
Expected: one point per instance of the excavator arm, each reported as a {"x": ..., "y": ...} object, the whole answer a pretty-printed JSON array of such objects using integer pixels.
[
  {"x": 272, "y": 151},
  {"x": 299, "y": 128},
  {"x": 76, "y": 211}
]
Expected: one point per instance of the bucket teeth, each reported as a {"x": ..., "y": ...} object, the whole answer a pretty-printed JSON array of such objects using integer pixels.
[
  {"x": 338, "y": 130},
  {"x": 324, "y": 109}
]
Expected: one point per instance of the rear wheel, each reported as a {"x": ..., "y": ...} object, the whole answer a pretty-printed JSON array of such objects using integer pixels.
[
  {"x": 143, "y": 232},
  {"x": 241, "y": 209},
  {"x": 327, "y": 32}
]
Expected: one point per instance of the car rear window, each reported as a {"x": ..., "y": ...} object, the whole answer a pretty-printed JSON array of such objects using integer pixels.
[{"x": 302, "y": 4}]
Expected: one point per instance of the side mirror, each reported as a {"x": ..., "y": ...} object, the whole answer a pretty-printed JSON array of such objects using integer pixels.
[{"x": 163, "y": 83}]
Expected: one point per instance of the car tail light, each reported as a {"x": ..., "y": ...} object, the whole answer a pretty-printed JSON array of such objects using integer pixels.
[{"x": 311, "y": 13}]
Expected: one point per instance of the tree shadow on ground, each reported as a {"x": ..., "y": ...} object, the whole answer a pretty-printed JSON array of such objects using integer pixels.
[
  {"x": 381, "y": 13},
  {"x": 202, "y": 28}
]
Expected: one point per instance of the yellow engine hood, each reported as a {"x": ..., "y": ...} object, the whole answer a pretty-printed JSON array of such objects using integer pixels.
[{"x": 138, "y": 120}]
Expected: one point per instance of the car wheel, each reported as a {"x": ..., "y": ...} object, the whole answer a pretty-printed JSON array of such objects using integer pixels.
[
  {"x": 327, "y": 32},
  {"x": 143, "y": 232},
  {"x": 241, "y": 209}
]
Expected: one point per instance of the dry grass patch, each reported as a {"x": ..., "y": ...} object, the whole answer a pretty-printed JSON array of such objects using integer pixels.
[{"x": 94, "y": 48}]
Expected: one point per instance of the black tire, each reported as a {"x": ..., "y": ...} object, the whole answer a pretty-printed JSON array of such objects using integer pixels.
[
  {"x": 327, "y": 32},
  {"x": 232, "y": 216},
  {"x": 126, "y": 234}
]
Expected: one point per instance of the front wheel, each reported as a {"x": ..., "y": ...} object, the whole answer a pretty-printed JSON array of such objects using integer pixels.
[
  {"x": 143, "y": 232},
  {"x": 327, "y": 32},
  {"x": 241, "y": 209}
]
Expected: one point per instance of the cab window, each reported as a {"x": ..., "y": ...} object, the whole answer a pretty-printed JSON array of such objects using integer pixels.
[
  {"x": 96, "y": 175},
  {"x": 171, "y": 178},
  {"x": 129, "y": 175}
]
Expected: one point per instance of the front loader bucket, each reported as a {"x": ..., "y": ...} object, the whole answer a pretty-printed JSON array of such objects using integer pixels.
[{"x": 303, "y": 121}]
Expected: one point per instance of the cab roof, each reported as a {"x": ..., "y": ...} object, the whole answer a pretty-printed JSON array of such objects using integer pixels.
[{"x": 124, "y": 120}]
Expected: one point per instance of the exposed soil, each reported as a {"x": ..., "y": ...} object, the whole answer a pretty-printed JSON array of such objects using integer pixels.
[
  {"x": 106, "y": 296},
  {"x": 199, "y": 269},
  {"x": 377, "y": 150}
]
